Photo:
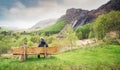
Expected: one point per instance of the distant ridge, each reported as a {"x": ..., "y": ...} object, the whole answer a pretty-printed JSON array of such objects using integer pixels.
[{"x": 44, "y": 23}]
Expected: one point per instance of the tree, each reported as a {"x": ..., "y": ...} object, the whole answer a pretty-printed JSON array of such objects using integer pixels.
[
  {"x": 71, "y": 36},
  {"x": 107, "y": 23}
]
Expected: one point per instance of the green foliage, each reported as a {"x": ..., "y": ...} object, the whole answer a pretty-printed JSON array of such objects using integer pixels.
[
  {"x": 68, "y": 39},
  {"x": 5, "y": 44},
  {"x": 4, "y": 47},
  {"x": 111, "y": 41},
  {"x": 54, "y": 28},
  {"x": 91, "y": 34},
  {"x": 1, "y": 37},
  {"x": 79, "y": 35},
  {"x": 84, "y": 30},
  {"x": 35, "y": 39},
  {"x": 107, "y": 23},
  {"x": 30, "y": 43},
  {"x": 71, "y": 36},
  {"x": 50, "y": 39}
]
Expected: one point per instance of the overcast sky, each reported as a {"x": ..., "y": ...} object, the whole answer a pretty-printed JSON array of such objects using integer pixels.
[{"x": 26, "y": 13}]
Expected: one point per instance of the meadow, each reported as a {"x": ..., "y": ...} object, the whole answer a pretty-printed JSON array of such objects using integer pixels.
[{"x": 101, "y": 57}]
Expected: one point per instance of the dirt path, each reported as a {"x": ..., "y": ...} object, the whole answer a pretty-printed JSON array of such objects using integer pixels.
[
  {"x": 80, "y": 44},
  {"x": 85, "y": 42}
]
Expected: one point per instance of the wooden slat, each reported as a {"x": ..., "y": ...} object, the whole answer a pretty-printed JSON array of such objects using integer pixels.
[
  {"x": 35, "y": 50},
  {"x": 18, "y": 50}
]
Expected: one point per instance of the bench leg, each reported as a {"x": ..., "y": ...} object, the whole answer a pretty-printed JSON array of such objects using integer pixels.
[
  {"x": 45, "y": 55},
  {"x": 21, "y": 58},
  {"x": 25, "y": 56}
]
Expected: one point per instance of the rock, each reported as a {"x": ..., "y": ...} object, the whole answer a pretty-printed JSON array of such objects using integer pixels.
[
  {"x": 78, "y": 17},
  {"x": 74, "y": 14}
]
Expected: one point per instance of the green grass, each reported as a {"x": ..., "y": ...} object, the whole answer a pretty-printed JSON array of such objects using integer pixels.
[
  {"x": 54, "y": 28},
  {"x": 102, "y": 57}
]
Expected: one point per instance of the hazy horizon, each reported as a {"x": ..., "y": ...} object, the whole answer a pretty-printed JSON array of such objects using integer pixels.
[{"x": 26, "y": 13}]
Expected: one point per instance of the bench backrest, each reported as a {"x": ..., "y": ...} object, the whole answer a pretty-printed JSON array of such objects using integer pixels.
[{"x": 34, "y": 50}]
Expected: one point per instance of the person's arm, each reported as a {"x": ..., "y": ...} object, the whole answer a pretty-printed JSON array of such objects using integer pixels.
[
  {"x": 39, "y": 45},
  {"x": 46, "y": 45}
]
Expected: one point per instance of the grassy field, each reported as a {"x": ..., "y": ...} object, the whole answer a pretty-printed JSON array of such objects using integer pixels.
[{"x": 102, "y": 57}]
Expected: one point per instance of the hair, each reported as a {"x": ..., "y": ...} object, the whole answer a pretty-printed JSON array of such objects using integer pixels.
[{"x": 42, "y": 39}]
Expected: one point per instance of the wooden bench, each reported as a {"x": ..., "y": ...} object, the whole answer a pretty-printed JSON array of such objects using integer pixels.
[{"x": 25, "y": 51}]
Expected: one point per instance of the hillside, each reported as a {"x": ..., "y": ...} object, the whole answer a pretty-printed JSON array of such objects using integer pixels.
[
  {"x": 43, "y": 24},
  {"x": 52, "y": 29}
]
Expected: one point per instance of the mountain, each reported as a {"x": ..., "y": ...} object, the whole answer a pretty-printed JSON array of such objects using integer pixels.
[
  {"x": 44, "y": 23},
  {"x": 78, "y": 17}
]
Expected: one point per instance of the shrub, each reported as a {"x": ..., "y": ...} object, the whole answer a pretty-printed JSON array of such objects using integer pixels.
[
  {"x": 111, "y": 41},
  {"x": 106, "y": 23},
  {"x": 79, "y": 35},
  {"x": 84, "y": 31},
  {"x": 4, "y": 47},
  {"x": 35, "y": 39},
  {"x": 91, "y": 34},
  {"x": 30, "y": 43},
  {"x": 50, "y": 39}
]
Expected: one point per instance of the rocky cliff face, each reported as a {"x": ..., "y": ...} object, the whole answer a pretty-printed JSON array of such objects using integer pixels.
[
  {"x": 74, "y": 14},
  {"x": 78, "y": 17}
]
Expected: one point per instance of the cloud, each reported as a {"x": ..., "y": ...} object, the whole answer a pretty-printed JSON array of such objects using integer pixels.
[{"x": 25, "y": 14}]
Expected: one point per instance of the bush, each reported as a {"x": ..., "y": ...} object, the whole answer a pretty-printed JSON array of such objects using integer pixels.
[
  {"x": 91, "y": 34},
  {"x": 106, "y": 23},
  {"x": 30, "y": 43},
  {"x": 4, "y": 47},
  {"x": 111, "y": 41},
  {"x": 84, "y": 31},
  {"x": 50, "y": 39},
  {"x": 79, "y": 35},
  {"x": 35, "y": 39}
]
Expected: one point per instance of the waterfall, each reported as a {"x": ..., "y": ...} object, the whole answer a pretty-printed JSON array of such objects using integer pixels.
[
  {"x": 75, "y": 22},
  {"x": 83, "y": 21},
  {"x": 79, "y": 22}
]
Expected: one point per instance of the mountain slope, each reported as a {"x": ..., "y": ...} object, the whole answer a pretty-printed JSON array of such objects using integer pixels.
[
  {"x": 53, "y": 29},
  {"x": 44, "y": 23}
]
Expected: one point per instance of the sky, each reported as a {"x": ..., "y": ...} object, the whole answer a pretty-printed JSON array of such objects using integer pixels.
[{"x": 24, "y": 14}]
